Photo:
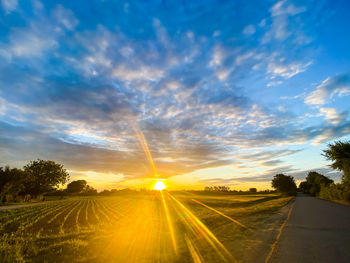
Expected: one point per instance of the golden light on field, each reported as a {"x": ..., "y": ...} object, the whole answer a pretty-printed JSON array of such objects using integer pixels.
[{"x": 159, "y": 185}]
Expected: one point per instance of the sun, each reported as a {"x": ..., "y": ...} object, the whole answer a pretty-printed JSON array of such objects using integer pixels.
[{"x": 159, "y": 185}]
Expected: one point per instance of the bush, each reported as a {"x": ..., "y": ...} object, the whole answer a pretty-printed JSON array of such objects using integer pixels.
[{"x": 335, "y": 192}]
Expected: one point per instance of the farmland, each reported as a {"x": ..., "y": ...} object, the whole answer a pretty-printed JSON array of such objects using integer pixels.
[{"x": 151, "y": 227}]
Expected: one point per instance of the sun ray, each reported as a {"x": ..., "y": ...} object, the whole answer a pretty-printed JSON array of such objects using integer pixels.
[
  {"x": 169, "y": 221},
  {"x": 207, "y": 234},
  {"x": 142, "y": 140},
  {"x": 222, "y": 214}
]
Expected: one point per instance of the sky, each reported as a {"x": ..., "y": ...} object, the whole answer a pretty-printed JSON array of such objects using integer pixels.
[{"x": 214, "y": 92}]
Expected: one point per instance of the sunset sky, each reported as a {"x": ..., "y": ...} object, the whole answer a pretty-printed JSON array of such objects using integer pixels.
[{"x": 221, "y": 92}]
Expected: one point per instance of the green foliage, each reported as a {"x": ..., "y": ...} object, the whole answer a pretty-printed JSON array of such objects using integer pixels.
[
  {"x": 304, "y": 187},
  {"x": 36, "y": 178},
  {"x": 284, "y": 184},
  {"x": 314, "y": 182},
  {"x": 335, "y": 192},
  {"x": 76, "y": 186},
  {"x": 11, "y": 181},
  {"x": 339, "y": 154},
  {"x": 43, "y": 176}
]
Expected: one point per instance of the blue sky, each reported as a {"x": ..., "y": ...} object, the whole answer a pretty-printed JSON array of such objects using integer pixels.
[{"x": 224, "y": 92}]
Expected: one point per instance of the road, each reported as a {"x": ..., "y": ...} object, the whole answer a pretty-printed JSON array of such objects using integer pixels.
[{"x": 316, "y": 231}]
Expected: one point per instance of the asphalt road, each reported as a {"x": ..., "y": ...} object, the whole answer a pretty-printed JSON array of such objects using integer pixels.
[{"x": 316, "y": 231}]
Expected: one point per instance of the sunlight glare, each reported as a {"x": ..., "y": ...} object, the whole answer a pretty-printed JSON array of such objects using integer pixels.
[{"x": 159, "y": 185}]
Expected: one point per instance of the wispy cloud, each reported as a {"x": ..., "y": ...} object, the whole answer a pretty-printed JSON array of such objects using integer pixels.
[
  {"x": 328, "y": 89},
  {"x": 74, "y": 82}
]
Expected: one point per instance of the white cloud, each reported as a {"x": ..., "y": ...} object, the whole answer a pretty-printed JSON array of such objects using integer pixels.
[
  {"x": 65, "y": 17},
  {"x": 217, "y": 57},
  {"x": 249, "y": 30},
  {"x": 339, "y": 85},
  {"x": 332, "y": 116},
  {"x": 27, "y": 44},
  {"x": 287, "y": 71},
  {"x": 280, "y": 13},
  {"x": 241, "y": 58},
  {"x": 262, "y": 23},
  {"x": 2, "y": 106},
  {"x": 222, "y": 74},
  {"x": 274, "y": 83},
  {"x": 9, "y": 5},
  {"x": 142, "y": 73},
  {"x": 282, "y": 8}
]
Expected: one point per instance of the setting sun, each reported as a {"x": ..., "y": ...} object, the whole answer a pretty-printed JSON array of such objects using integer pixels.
[{"x": 159, "y": 185}]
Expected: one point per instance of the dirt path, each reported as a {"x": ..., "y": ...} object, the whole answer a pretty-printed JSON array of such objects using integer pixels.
[
  {"x": 20, "y": 206},
  {"x": 316, "y": 231}
]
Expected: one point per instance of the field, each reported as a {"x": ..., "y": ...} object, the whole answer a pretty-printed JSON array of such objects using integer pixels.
[{"x": 149, "y": 227}]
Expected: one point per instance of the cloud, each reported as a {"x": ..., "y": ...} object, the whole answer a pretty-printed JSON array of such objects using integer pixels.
[
  {"x": 65, "y": 17},
  {"x": 332, "y": 116},
  {"x": 288, "y": 70},
  {"x": 31, "y": 43},
  {"x": 85, "y": 157},
  {"x": 249, "y": 30},
  {"x": 217, "y": 57},
  {"x": 2, "y": 107},
  {"x": 280, "y": 15},
  {"x": 9, "y": 5},
  {"x": 142, "y": 73},
  {"x": 329, "y": 133},
  {"x": 328, "y": 89},
  {"x": 76, "y": 84}
]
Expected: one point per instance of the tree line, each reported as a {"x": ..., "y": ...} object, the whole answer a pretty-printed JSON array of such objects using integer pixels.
[
  {"x": 36, "y": 178},
  {"x": 317, "y": 184},
  {"x": 323, "y": 187}
]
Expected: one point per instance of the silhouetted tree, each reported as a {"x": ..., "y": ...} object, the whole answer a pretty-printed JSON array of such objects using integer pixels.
[
  {"x": 43, "y": 176},
  {"x": 304, "y": 187},
  {"x": 314, "y": 182},
  {"x": 253, "y": 190},
  {"x": 88, "y": 190},
  {"x": 339, "y": 154},
  {"x": 219, "y": 188},
  {"x": 76, "y": 186},
  {"x": 284, "y": 184},
  {"x": 11, "y": 181}
]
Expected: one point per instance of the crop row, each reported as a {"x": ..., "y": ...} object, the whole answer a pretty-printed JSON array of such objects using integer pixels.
[{"x": 64, "y": 216}]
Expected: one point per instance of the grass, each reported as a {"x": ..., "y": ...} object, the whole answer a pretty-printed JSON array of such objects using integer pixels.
[{"x": 184, "y": 227}]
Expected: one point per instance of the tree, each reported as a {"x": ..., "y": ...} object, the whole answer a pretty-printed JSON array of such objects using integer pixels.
[
  {"x": 11, "y": 181},
  {"x": 339, "y": 154},
  {"x": 253, "y": 190},
  {"x": 284, "y": 184},
  {"x": 43, "y": 176},
  {"x": 314, "y": 182},
  {"x": 89, "y": 190},
  {"x": 304, "y": 187},
  {"x": 220, "y": 188},
  {"x": 76, "y": 186}
]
